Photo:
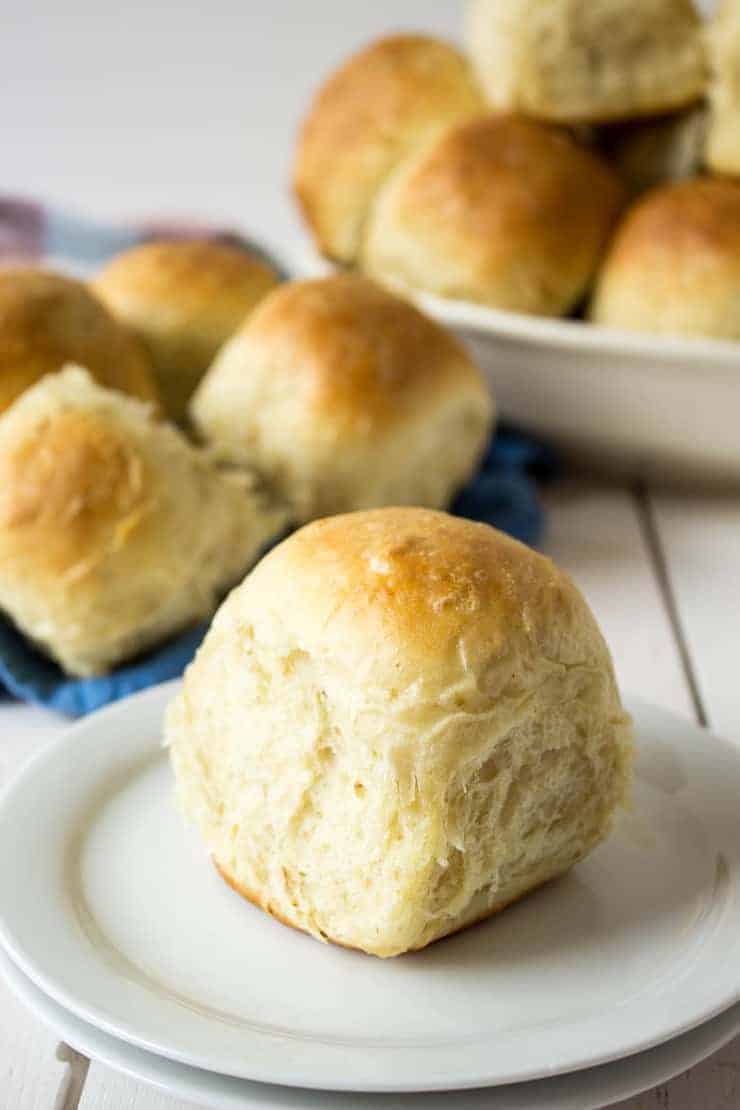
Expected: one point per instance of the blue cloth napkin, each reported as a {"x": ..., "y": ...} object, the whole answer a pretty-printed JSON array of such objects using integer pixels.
[
  {"x": 504, "y": 493},
  {"x": 28, "y": 675}
]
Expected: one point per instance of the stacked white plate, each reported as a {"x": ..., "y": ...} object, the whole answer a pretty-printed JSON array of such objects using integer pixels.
[{"x": 118, "y": 933}]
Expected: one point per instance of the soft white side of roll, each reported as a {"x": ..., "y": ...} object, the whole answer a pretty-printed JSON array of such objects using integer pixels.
[
  {"x": 723, "y": 143},
  {"x": 587, "y": 60}
]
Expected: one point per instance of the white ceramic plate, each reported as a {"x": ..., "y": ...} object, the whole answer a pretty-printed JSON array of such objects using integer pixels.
[
  {"x": 648, "y": 405},
  {"x": 110, "y": 905},
  {"x": 583, "y": 1090}
]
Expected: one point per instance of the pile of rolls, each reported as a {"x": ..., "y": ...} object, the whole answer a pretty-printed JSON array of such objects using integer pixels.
[
  {"x": 401, "y": 721},
  {"x": 581, "y": 158},
  {"x": 165, "y": 422}
]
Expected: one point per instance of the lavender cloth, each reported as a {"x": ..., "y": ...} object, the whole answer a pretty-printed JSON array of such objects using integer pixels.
[
  {"x": 504, "y": 493},
  {"x": 33, "y": 234}
]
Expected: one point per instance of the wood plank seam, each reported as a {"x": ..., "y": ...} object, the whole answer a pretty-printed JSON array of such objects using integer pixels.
[
  {"x": 73, "y": 1083},
  {"x": 654, "y": 543}
]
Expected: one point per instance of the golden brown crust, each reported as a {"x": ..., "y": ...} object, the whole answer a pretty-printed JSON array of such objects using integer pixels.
[
  {"x": 413, "y": 591},
  {"x": 366, "y": 357},
  {"x": 261, "y": 904},
  {"x": 423, "y": 565},
  {"x": 47, "y": 320},
  {"x": 501, "y": 210},
  {"x": 674, "y": 264},
  {"x": 382, "y": 103},
  {"x": 69, "y": 492},
  {"x": 183, "y": 298},
  {"x": 702, "y": 215}
]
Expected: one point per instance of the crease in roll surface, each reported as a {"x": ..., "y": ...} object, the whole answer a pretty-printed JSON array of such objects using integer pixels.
[
  {"x": 384, "y": 102},
  {"x": 183, "y": 299},
  {"x": 343, "y": 397}
]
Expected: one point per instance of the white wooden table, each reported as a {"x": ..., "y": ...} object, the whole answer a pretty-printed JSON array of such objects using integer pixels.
[{"x": 662, "y": 572}]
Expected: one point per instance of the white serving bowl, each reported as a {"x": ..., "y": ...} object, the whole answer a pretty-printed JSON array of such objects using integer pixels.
[{"x": 637, "y": 404}]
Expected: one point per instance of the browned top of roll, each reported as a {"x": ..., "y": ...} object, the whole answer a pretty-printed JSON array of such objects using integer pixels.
[
  {"x": 674, "y": 265},
  {"x": 47, "y": 320},
  {"x": 385, "y": 101},
  {"x": 502, "y": 210}
]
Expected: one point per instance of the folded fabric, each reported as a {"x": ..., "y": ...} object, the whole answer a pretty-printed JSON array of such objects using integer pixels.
[
  {"x": 504, "y": 493},
  {"x": 36, "y": 234},
  {"x": 28, "y": 675}
]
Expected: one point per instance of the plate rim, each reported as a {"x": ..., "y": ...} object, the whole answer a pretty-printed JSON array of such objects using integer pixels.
[
  {"x": 153, "y": 701},
  {"x": 117, "y": 1055}
]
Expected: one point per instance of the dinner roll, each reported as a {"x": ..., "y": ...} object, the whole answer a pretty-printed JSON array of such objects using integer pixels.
[
  {"x": 386, "y": 101},
  {"x": 502, "y": 210},
  {"x": 398, "y": 724},
  {"x": 674, "y": 266},
  {"x": 183, "y": 298},
  {"x": 47, "y": 320},
  {"x": 587, "y": 60},
  {"x": 723, "y": 142},
  {"x": 114, "y": 531},
  {"x": 345, "y": 397}
]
